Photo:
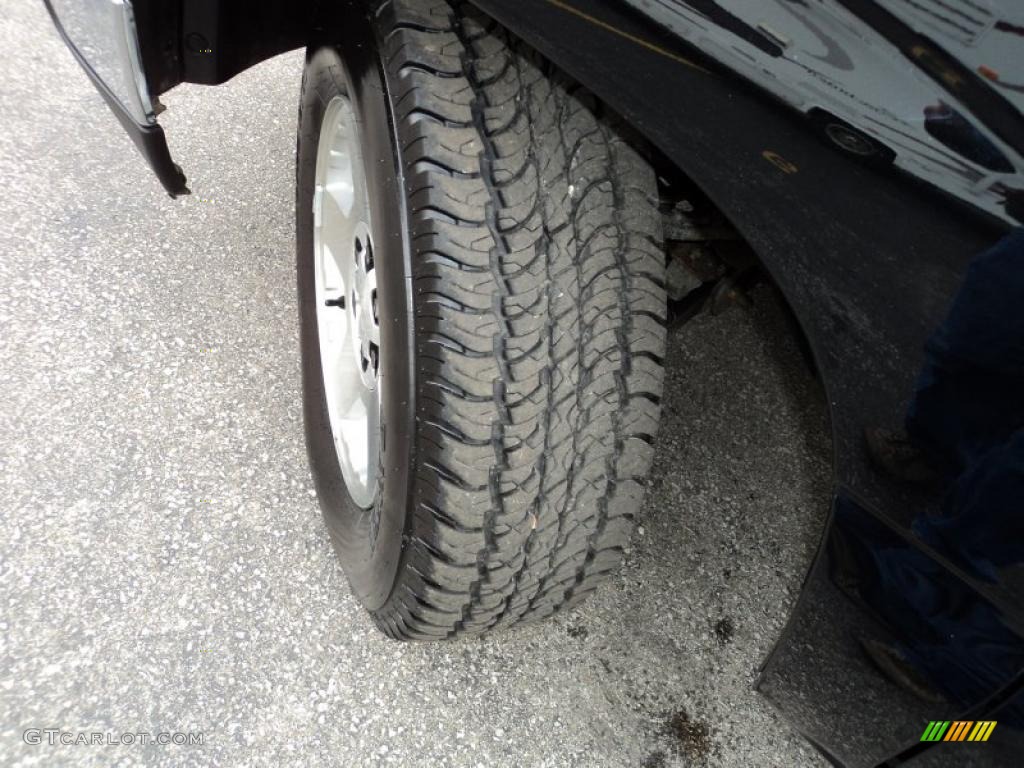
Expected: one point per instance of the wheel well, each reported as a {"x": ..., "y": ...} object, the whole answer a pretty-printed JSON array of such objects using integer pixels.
[
  {"x": 210, "y": 41},
  {"x": 711, "y": 267}
]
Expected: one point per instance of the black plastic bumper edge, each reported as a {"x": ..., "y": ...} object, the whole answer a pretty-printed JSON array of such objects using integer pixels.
[{"x": 149, "y": 139}]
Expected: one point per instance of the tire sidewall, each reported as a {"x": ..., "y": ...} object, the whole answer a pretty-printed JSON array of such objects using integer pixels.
[{"x": 368, "y": 541}]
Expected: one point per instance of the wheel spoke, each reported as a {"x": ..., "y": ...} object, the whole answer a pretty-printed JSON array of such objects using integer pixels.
[
  {"x": 370, "y": 307},
  {"x": 357, "y": 436},
  {"x": 335, "y": 223},
  {"x": 334, "y": 280},
  {"x": 331, "y": 328},
  {"x": 348, "y": 387}
]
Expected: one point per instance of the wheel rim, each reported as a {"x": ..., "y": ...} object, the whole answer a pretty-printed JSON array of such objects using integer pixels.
[
  {"x": 346, "y": 301},
  {"x": 849, "y": 140}
]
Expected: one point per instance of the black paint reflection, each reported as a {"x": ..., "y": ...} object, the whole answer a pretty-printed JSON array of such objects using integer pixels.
[
  {"x": 965, "y": 425},
  {"x": 950, "y": 127},
  {"x": 947, "y": 641}
]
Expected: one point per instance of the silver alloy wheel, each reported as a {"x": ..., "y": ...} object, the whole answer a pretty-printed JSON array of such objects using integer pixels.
[{"x": 346, "y": 300}]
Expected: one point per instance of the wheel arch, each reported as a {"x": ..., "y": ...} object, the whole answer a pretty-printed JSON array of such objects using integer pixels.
[{"x": 210, "y": 41}]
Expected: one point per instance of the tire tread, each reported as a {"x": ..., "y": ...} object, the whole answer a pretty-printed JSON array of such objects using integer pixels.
[{"x": 539, "y": 308}]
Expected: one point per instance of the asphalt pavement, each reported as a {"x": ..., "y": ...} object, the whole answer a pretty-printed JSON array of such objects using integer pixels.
[{"x": 164, "y": 566}]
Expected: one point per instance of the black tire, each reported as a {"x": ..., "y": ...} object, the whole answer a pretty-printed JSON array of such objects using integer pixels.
[{"x": 522, "y": 278}]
